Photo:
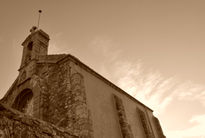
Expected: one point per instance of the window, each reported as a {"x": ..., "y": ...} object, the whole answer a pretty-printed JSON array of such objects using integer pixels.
[
  {"x": 28, "y": 51},
  {"x": 145, "y": 125},
  {"x": 124, "y": 125},
  {"x": 30, "y": 46}
]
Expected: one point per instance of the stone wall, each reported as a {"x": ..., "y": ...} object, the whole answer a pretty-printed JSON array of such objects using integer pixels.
[
  {"x": 64, "y": 103},
  {"x": 112, "y": 119},
  {"x": 59, "y": 97},
  {"x": 14, "y": 124}
]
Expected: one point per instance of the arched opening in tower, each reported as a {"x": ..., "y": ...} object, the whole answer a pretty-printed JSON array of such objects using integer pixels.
[
  {"x": 29, "y": 50},
  {"x": 24, "y": 102}
]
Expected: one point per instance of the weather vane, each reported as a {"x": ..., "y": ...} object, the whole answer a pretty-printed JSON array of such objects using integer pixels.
[{"x": 39, "y": 16}]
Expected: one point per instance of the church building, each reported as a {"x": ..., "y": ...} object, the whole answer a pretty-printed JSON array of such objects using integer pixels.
[{"x": 58, "y": 96}]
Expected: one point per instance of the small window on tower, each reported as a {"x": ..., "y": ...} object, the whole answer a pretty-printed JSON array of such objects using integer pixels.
[
  {"x": 30, "y": 46},
  {"x": 29, "y": 49}
]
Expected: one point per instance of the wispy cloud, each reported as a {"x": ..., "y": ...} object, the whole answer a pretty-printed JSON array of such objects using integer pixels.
[
  {"x": 147, "y": 86},
  {"x": 197, "y": 131},
  {"x": 105, "y": 47}
]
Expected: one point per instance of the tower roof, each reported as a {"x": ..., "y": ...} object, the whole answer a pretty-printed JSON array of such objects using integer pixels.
[{"x": 35, "y": 32}]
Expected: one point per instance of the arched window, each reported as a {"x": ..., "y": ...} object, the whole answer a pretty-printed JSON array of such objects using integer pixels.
[
  {"x": 29, "y": 51},
  {"x": 24, "y": 102},
  {"x": 30, "y": 46}
]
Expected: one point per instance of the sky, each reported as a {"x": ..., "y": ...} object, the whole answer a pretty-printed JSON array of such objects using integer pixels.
[{"x": 152, "y": 49}]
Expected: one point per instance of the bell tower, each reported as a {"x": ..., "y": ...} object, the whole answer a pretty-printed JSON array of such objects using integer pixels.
[
  {"x": 28, "y": 97},
  {"x": 35, "y": 45}
]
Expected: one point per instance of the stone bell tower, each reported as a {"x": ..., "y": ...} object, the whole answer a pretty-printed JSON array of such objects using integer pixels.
[
  {"x": 34, "y": 47},
  {"x": 36, "y": 44}
]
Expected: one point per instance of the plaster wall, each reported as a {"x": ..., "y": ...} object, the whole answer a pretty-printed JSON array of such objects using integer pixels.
[{"x": 104, "y": 115}]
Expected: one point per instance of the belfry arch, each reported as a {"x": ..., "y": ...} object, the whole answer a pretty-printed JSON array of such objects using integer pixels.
[
  {"x": 24, "y": 102},
  {"x": 29, "y": 51}
]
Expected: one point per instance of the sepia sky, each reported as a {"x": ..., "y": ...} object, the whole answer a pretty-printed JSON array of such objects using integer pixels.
[{"x": 153, "y": 49}]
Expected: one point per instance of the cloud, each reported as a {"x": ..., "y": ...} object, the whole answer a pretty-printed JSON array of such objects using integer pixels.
[
  {"x": 197, "y": 131},
  {"x": 191, "y": 91},
  {"x": 106, "y": 52},
  {"x": 105, "y": 47},
  {"x": 147, "y": 86}
]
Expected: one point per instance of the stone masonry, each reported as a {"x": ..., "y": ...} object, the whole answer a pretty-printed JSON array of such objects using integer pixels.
[{"x": 14, "y": 124}]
